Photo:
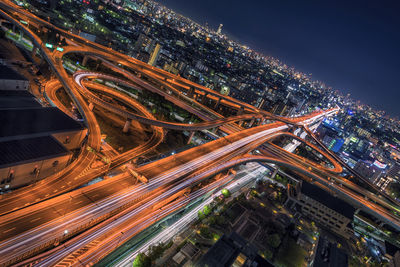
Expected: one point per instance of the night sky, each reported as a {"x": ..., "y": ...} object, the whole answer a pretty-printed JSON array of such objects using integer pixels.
[{"x": 351, "y": 45}]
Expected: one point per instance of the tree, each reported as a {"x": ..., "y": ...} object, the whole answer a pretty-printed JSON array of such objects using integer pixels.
[
  {"x": 226, "y": 192},
  {"x": 268, "y": 254},
  {"x": 206, "y": 210},
  {"x": 141, "y": 260},
  {"x": 200, "y": 215},
  {"x": 205, "y": 232},
  {"x": 274, "y": 240},
  {"x": 220, "y": 220},
  {"x": 156, "y": 251}
]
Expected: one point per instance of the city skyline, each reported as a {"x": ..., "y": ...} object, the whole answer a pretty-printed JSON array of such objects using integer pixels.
[{"x": 349, "y": 46}]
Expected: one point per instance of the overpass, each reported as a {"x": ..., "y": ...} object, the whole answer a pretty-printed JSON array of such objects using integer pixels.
[{"x": 190, "y": 165}]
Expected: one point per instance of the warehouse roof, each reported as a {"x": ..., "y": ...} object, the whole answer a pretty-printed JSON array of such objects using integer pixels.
[
  {"x": 17, "y": 99},
  {"x": 31, "y": 122},
  {"x": 7, "y": 73},
  {"x": 17, "y": 152}
]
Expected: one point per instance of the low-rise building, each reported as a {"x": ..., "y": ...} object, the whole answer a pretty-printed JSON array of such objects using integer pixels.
[
  {"x": 232, "y": 250},
  {"x": 322, "y": 207},
  {"x": 12, "y": 80},
  {"x": 329, "y": 255}
]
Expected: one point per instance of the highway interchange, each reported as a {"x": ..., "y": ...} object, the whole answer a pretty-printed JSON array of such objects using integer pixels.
[{"x": 57, "y": 217}]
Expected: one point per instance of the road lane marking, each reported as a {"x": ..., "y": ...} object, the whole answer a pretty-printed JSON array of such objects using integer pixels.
[
  {"x": 36, "y": 219},
  {"x": 6, "y": 231}
]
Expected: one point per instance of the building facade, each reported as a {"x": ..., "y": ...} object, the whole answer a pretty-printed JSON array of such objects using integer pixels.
[{"x": 320, "y": 206}]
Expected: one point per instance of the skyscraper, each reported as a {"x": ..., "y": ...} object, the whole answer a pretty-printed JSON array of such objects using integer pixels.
[{"x": 220, "y": 28}]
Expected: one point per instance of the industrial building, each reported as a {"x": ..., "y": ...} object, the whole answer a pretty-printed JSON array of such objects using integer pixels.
[
  {"x": 12, "y": 80},
  {"x": 35, "y": 141}
]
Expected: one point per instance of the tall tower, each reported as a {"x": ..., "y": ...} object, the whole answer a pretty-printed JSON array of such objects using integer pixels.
[{"x": 220, "y": 28}]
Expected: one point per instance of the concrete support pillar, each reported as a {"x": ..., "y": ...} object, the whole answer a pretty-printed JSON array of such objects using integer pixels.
[
  {"x": 217, "y": 103},
  {"x": 127, "y": 125},
  {"x": 190, "y": 137},
  {"x": 191, "y": 91},
  {"x": 252, "y": 122},
  {"x": 21, "y": 34},
  {"x": 275, "y": 172},
  {"x": 34, "y": 51},
  {"x": 85, "y": 60},
  {"x": 91, "y": 106},
  {"x": 203, "y": 101},
  {"x": 240, "y": 111}
]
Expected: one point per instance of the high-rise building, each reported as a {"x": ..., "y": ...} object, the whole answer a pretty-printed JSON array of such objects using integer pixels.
[
  {"x": 219, "y": 31},
  {"x": 154, "y": 55}
]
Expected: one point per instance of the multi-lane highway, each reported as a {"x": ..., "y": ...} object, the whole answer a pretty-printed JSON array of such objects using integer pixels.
[{"x": 94, "y": 220}]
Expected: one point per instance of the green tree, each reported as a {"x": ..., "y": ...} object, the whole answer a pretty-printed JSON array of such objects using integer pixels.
[
  {"x": 206, "y": 210},
  {"x": 200, "y": 215},
  {"x": 205, "y": 232},
  {"x": 274, "y": 240},
  {"x": 141, "y": 260},
  {"x": 156, "y": 252},
  {"x": 226, "y": 192},
  {"x": 268, "y": 254},
  {"x": 220, "y": 220}
]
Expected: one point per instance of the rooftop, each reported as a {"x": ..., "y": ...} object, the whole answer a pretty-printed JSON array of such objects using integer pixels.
[
  {"x": 7, "y": 73},
  {"x": 327, "y": 199},
  {"x": 27, "y": 150},
  {"x": 226, "y": 250},
  {"x": 30, "y": 122},
  {"x": 328, "y": 255},
  {"x": 17, "y": 99}
]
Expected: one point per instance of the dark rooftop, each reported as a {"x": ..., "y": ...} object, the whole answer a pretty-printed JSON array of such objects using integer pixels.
[
  {"x": 328, "y": 255},
  {"x": 28, "y": 150},
  {"x": 327, "y": 199},
  {"x": 20, "y": 123},
  {"x": 227, "y": 248},
  {"x": 17, "y": 99},
  {"x": 390, "y": 248},
  {"x": 7, "y": 73}
]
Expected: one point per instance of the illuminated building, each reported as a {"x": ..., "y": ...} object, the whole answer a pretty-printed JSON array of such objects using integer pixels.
[
  {"x": 154, "y": 55},
  {"x": 219, "y": 31},
  {"x": 320, "y": 206}
]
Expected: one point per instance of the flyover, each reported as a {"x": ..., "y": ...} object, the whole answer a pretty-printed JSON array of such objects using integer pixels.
[{"x": 185, "y": 163}]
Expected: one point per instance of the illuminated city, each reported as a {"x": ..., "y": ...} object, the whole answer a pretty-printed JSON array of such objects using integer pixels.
[{"x": 132, "y": 135}]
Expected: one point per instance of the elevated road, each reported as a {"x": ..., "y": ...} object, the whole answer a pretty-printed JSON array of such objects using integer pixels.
[
  {"x": 79, "y": 76},
  {"x": 168, "y": 169},
  {"x": 167, "y": 177}
]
